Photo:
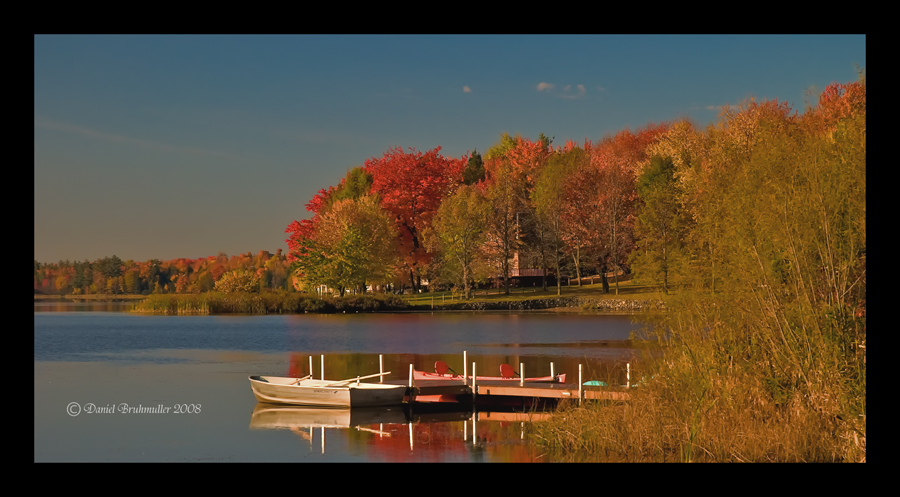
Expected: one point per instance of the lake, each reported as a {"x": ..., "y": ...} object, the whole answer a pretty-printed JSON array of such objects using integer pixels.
[{"x": 115, "y": 386}]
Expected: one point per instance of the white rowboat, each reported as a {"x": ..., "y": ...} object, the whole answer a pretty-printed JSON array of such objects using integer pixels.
[{"x": 325, "y": 393}]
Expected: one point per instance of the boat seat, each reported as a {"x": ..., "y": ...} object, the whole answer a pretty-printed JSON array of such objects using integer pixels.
[
  {"x": 441, "y": 367},
  {"x": 507, "y": 371}
]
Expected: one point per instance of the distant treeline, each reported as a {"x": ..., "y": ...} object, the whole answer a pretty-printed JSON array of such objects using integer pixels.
[{"x": 112, "y": 275}]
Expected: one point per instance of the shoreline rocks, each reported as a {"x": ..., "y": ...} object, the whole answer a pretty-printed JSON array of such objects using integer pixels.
[{"x": 627, "y": 305}]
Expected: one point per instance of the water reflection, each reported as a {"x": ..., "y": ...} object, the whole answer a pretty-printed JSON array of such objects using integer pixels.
[
  {"x": 83, "y": 306},
  {"x": 112, "y": 357},
  {"x": 405, "y": 433}
]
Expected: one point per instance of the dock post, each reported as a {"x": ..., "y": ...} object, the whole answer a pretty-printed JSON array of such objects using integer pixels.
[
  {"x": 580, "y": 385},
  {"x": 322, "y": 366},
  {"x": 474, "y": 387},
  {"x": 310, "y": 368},
  {"x": 410, "y": 376},
  {"x": 628, "y": 375},
  {"x": 551, "y": 371},
  {"x": 465, "y": 369},
  {"x": 521, "y": 374},
  {"x": 381, "y": 367}
]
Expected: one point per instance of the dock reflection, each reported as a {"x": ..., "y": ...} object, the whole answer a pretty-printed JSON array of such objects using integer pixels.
[{"x": 442, "y": 432}]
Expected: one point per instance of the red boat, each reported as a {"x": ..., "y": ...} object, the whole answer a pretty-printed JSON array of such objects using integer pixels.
[{"x": 507, "y": 373}]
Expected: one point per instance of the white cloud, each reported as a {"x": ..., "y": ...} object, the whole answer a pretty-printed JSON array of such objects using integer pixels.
[
  {"x": 544, "y": 86},
  {"x": 466, "y": 89},
  {"x": 569, "y": 95}
]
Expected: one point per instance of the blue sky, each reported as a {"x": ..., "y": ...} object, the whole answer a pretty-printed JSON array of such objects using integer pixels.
[{"x": 185, "y": 146}]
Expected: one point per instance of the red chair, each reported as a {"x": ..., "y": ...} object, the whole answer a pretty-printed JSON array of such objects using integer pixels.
[
  {"x": 507, "y": 371},
  {"x": 441, "y": 368}
]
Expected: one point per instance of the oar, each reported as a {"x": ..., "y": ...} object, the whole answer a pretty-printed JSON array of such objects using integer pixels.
[
  {"x": 301, "y": 379},
  {"x": 349, "y": 380}
]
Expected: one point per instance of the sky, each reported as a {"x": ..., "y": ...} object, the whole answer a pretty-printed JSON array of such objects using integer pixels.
[{"x": 162, "y": 147}]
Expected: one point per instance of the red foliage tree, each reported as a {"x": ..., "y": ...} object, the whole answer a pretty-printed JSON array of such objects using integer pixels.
[
  {"x": 411, "y": 186},
  {"x": 617, "y": 161},
  {"x": 304, "y": 230}
]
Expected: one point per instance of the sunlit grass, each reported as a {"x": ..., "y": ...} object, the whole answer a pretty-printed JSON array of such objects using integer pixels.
[
  {"x": 278, "y": 302},
  {"x": 628, "y": 289}
]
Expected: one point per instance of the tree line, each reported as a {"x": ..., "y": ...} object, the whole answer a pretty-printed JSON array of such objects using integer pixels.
[
  {"x": 111, "y": 275},
  {"x": 669, "y": 201}
]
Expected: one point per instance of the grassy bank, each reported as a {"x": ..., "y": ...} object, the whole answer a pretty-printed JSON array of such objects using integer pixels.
[
  {"x": 584, "y": 295},
  {"x": 263, "y": 303},
  {"x": 724, "y": 388}
]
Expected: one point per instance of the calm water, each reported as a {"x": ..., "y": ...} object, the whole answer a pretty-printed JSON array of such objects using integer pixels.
[{"x": 113, "y": 386}]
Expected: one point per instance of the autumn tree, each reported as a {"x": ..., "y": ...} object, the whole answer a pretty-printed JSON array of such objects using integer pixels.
[
  {"x": 238, "y": 280},
  {"x": 357, "y": 183},
  {"x": 500, "y": 190},
  {"x": 355, "y": 244},
  {"x": 528, "y": 159},
  {"x": 660, "y": 225},
  {"x": 411, "y": 186},
  {"x": 458, "y": 231},
  {"x": 549, "y": 199},
  {"x": 618, "y": 160}
]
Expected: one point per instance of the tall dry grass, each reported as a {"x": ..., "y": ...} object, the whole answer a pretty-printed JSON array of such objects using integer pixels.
[{"x": 278, "y": 302}]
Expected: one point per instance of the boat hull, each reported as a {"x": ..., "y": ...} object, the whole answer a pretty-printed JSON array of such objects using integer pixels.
[
  {"x": 422, "y": 375},
  {"x": 279, "y": 390}
]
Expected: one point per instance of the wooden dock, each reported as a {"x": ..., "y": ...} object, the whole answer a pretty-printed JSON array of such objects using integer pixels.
[
  {"x": 506, "y": 392},
  {"x": 549, "y": 391}
]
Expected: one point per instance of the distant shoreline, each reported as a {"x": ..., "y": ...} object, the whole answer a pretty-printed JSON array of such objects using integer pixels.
[{"x": 39, "y": 297}]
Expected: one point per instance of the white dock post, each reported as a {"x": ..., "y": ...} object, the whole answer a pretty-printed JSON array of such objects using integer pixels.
[
  {"x": 410, "y": 376},
  {"x": 310, "y": 368},
  {"x": 322, "y": 367},
  {"x": 521, "y": 374},
  {"x": 628, "y": 375},
  {"x": 474, "y": 387},
  {"x": 465, "y": 369},
  {"x": 381, "y": 368},
  {"x": 551, "y": 371},
  {"x": 580, "y": 385}
]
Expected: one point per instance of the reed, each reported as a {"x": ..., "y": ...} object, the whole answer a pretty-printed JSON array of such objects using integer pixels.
[
  {"x": 278, "y": 302},
  {"x": 723, "y": 388}
]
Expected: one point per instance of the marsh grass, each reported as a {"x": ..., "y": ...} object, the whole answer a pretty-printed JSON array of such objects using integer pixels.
[
  {"x": 726, "y": 384},
  {"x": 263, "y": 303},
  {"x": 681, "y": 420}
]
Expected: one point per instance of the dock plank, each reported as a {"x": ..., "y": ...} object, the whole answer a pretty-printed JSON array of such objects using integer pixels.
[{"x": 550, "y": 391}]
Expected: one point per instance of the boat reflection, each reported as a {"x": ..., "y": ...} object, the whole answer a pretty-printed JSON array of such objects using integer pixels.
[{"x": 433, "y": 432}]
